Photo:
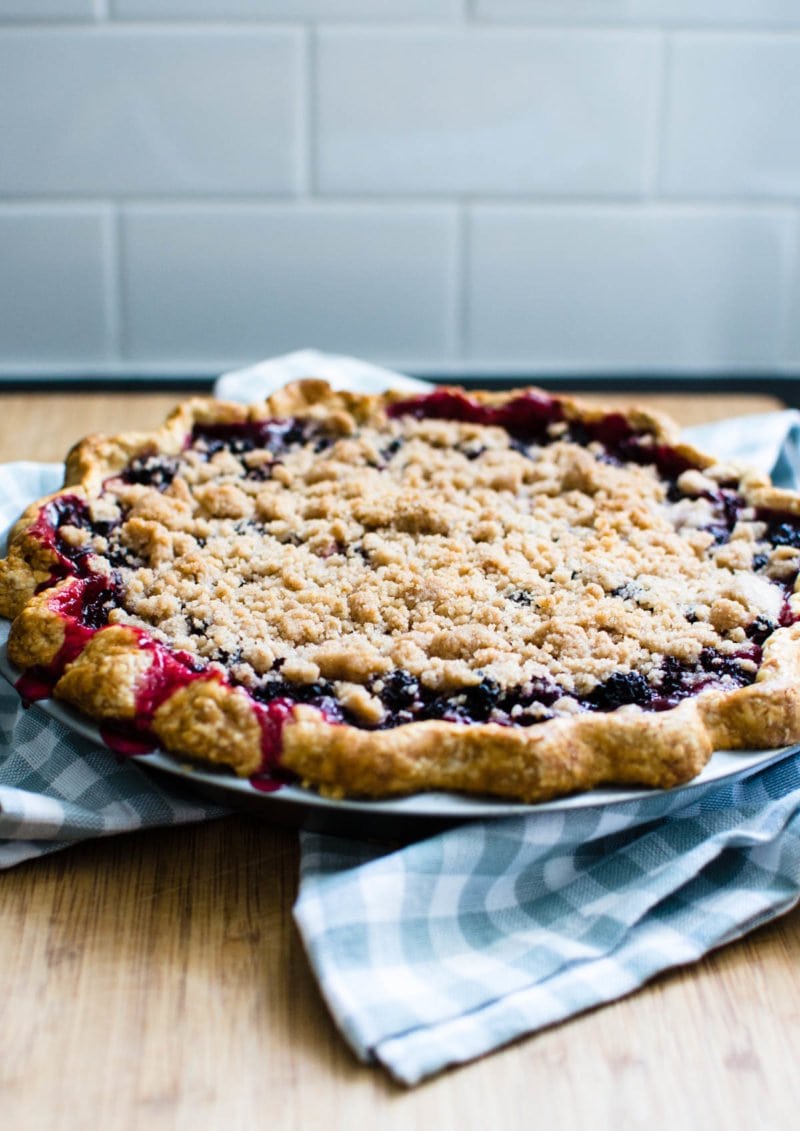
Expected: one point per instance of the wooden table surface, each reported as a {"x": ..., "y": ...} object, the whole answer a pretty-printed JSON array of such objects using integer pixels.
[{"x": 155, "y": 980}]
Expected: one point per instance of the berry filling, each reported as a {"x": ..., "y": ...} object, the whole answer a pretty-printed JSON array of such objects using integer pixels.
[
  {"x": 529, "y": 418},
  {"x": 85, "y": 544},
  {"x": 274, "y": 436},
  {"x": 65, "y": 511}
]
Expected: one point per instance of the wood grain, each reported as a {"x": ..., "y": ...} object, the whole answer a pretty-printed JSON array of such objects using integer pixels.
[{"x": 155, "y": 981}]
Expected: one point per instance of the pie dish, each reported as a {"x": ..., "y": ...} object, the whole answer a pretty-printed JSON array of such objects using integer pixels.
[
  {"x": 507, "y": 594},
  {"x": 407, "y": 817}
]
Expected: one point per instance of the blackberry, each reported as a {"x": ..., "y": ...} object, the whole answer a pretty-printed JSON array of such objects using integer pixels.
[
  {"x": 400, "y": 690},
  {"x": 481, "y": 699},
  {"x": 68, "y": 511},
  {"x": 271, "y": 687},
  {"x": 97, "y": 601},
  {"x": 150, "y": 471},
  {"x": 440, "y": 707},
  {"x": 760, "y": 629},
  {"x": 620, "y": 689},
  {"x": 672, "y": 677},
  {"x": 784, "y": 534},
  {"x": 309, "y": 692},
  {"x": 725, "y": 666},
  {"x": 577, "y": 433}
]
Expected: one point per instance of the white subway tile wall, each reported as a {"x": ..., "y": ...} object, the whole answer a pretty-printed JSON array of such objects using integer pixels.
[
  {"x": 693, "y": 13},
  {"x": 52, "y": 284},
  {"x": 481, "y": 111},
  {"x": 448, "y": 186},
  {"x": 733, "y": 120},
  {"x": 115, "y": 112},
  {"x": 219, "y": 283},
  {"x": 46, "y": 9},
  {"x": 618, "y": 289}
]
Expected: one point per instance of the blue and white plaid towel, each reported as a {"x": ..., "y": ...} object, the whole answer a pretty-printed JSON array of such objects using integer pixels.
[
  {"x": 440, "y": 952},
  {"x": 436, "y": 953}
]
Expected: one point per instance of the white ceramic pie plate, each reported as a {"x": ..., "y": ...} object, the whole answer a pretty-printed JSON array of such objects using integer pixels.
[{"x": 400, "y": 818}]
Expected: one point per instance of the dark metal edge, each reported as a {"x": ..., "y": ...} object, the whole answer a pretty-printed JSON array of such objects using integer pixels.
[{"x": 787, "y": 387}]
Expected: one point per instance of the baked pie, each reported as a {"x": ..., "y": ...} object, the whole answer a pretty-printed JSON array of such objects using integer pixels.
[{"x": 513, "y": 594}]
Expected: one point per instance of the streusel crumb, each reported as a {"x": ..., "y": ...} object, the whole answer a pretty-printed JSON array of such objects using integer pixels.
[{"x": 438, "y": 547}]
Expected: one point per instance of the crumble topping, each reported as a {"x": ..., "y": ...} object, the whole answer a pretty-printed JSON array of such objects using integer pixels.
[
  {"x": 446, "y": 553},
  {"x": 281, "y": 589}
]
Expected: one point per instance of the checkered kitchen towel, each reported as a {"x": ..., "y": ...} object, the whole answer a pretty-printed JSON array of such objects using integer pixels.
[{"x": 436, "y": 953}]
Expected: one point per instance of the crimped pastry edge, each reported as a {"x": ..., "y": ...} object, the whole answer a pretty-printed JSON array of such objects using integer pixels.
[{"x": 214, "y": 722}]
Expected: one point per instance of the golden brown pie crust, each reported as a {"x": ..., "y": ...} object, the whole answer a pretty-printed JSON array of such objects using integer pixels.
[{"x": 213, "y": 721}]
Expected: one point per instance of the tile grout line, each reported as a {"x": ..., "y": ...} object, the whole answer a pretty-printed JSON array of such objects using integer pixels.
[
  {"x": 679, "y": 204},
  {"x": 464, "y": 16}
]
